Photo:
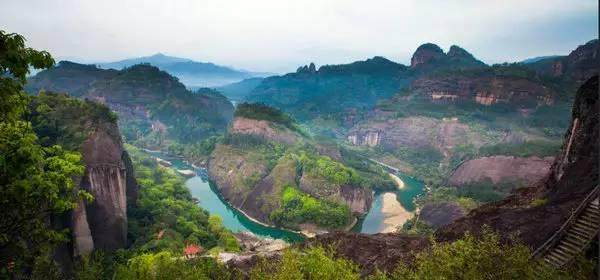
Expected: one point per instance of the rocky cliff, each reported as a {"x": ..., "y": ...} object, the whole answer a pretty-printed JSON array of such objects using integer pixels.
[
  {"x": 484, "y": 89},
  {"x": 413, "y": 132},
  {"x": 581, "y": 64},
  {"x": 154, "y": 108},
  {"x": 501, "y": 169},
  {"x": 259, "y": 159},
  {"x": 108, "y": 177},
  {"x": 573, "y": 174},
  {"x": 91, "y": 129}
]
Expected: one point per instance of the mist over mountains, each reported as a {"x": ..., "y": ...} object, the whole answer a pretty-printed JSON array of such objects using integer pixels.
[{"x": 191, "y": 73}]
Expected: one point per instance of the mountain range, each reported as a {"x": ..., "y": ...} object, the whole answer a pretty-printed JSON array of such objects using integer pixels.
[{"x": 191, "y": 73}]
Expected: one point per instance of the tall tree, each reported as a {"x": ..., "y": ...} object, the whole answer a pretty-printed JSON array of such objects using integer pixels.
[{"x": 35, "y": 181}]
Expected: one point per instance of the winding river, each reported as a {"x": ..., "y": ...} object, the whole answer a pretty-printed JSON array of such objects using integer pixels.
[{"x": 389, "y": 208}]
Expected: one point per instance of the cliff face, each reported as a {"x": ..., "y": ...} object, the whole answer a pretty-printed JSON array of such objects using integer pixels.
[
  {"x": 484, "y": 90},
  {"x": 499, "y": 169},
  {"x": 413, "y": 132},
  {"x": 109, "y": 177},
  {"x": 253, "y": 179},
  {"x": 152, "y": 105},
  {"x": 581, "y": 64},
  {"x": 574, "y": 173}
]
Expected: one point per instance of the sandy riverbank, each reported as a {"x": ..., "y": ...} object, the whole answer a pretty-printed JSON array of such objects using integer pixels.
[
  {"x": 398, "y": 181},
  {"x": 394, "y": 214}
]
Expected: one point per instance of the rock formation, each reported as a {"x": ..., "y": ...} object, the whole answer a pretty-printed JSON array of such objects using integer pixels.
[
  {"x": 572, "y": 175},
  {"x": 109, "y": 178},
  {"x": 484, "y": 89},
  {"x": 501, "y": 169},
  {"x": 426, "y": 53}
]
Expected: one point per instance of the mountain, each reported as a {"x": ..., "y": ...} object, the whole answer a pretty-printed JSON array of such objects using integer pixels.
[
  {"x": 240, "y": 90},
  {"x": 270, "y": 169},
  {"x": 576, "y": 67},
  {"x": 538, "y": 58},
  {"x": 90, "y": 129},
  {"x": 531, "y": 215},
  {"x": 332, "y": 89},
  {"x": 189, "y": 72},
  {"x": 154, "y": 108}
]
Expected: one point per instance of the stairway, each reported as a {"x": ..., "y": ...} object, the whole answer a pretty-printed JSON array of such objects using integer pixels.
[{"x": 574, "y": 236}]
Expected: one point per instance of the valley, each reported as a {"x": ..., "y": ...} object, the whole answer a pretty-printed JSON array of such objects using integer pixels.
[{"x": 162, "y": 167}]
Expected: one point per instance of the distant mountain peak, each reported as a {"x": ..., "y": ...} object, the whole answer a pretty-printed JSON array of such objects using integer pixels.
[
  {"x": 458, "y": 51},
  {"x": 426, "y": 53}
]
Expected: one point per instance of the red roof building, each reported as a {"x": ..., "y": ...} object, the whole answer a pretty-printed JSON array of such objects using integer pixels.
[{"x": 192, "y": 250}]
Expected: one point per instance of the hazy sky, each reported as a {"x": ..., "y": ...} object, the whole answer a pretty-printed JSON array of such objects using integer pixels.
[{"x": 279, "y": 35}]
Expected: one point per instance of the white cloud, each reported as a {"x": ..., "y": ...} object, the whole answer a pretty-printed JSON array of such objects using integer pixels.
[{"x": 278, "y": 35}]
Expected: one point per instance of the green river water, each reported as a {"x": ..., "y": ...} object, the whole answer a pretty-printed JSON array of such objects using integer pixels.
[{"x": 208, "y": 198}]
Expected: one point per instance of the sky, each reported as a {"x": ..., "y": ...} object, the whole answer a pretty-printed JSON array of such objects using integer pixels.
[{"x": 280, "y": 35}]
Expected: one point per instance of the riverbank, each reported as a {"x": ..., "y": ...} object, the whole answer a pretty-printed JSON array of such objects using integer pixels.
[
  {"x": 397, "y": 180},
  {"x": 394, "y": 215}
]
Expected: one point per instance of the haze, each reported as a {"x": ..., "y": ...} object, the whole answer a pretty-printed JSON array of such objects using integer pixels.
[{"x": 278, "y": 36}]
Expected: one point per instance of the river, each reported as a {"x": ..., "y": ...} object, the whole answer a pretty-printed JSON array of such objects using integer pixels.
[{"x": 377, "y": 220}]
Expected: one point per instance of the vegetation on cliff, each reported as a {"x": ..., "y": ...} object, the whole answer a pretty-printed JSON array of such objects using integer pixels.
[
  {"x": 166, "y": 217},
  {"x": 289, "y": 182},
  {"x": 155, "y": 110},
  {"x": 35, "y": 179}
]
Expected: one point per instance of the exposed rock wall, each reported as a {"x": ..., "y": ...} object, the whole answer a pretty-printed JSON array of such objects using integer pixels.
[
  {"x": 484, "y": 89},
  {"x": 414, "y": 132},
  {"x": 572, "y": 176},
  {"x": 498, "y": 169},
  {"x": 263, "y": 129},
  {"x": 440, "y": 214},
  {"x": 102, "y": 224}
]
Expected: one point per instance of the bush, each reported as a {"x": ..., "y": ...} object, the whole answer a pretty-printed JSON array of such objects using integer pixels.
[
  {"x": 312, "y": 263},
  {"x": 297, "y": 207}
]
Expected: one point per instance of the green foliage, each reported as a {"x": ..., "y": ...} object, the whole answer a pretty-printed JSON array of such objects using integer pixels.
[
  {"x": 540, "y": 148},
  {"x": 166, "y": 205},
  {"x": 298, "y": 207},
  {"x": 258, "y": 111},
  {"x": 166, "y": 265},
  {"x": 325, "y": 167},
  {"x": 447, "y": 194},
  {"x": 416, "y": 226},
  {"x": 35, "y": 181},
  {"x": 313, "y": 263},
  {"x": 488, "y": 191},
  {"x": 15, "y": 60},
  {"x": 480, "y": 258},
  {"x": 60, "y": 119},
  {"x": 539, "y": 202}
]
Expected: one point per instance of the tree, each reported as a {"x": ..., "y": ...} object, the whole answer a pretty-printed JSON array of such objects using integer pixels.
[{"x": 35, "y": 181}]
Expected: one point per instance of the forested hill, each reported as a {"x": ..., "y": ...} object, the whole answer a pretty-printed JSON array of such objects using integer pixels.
[
  {"x": 338, "y": 91},
  {"x": 154, "y": 108}
]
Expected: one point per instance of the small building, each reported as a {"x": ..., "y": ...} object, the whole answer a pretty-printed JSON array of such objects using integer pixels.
[{"x": 191, "y": 251}]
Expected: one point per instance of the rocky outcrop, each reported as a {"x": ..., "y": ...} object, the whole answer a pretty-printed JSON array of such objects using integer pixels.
[
  {"x": 377, "y": 251},
  {"x": 264, "y": 129},
  {"x": 109, "y": 178},
  {"x": 426, "y": 53},
  {"x": 581, "y": 64},
  {"x": 414, "y": 132},
  {"x": 440, "y": 214},
  {"x": 484, "y": 89},
  {"x": 573, "y": 174},
  {"x": 501, "y": 169}
]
